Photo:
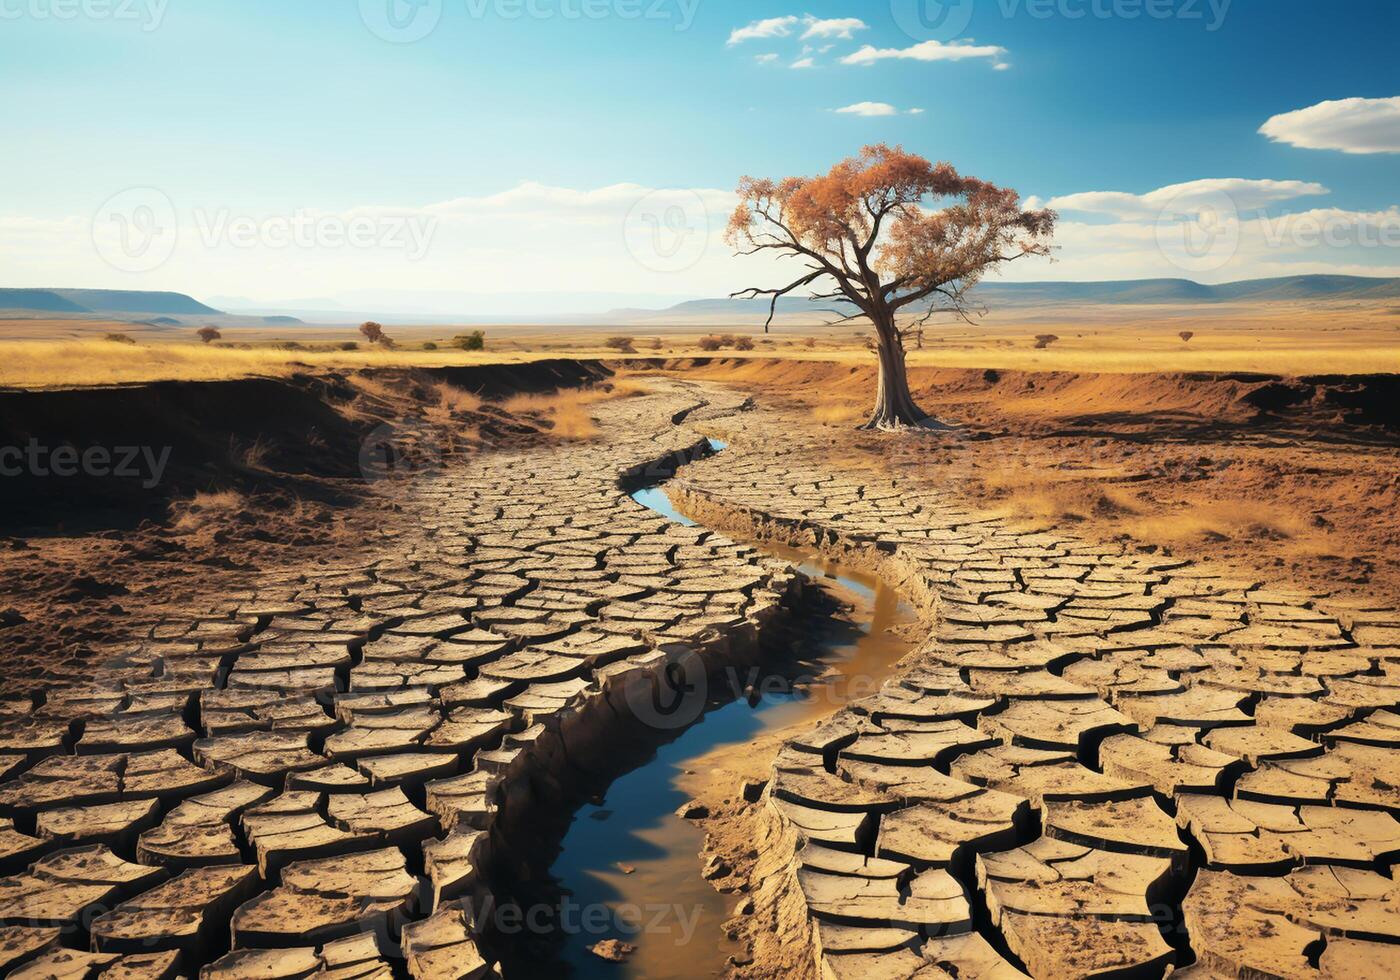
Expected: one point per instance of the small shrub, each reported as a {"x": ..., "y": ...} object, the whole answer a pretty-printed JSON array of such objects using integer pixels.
[
  {"x": 208, "y": 334},
  {"x": 430, "y": 346},
  {"x": 810, "y": 343},
  {"x": 1186, "y": 336},
  {"x": 656, "y": 344},
  {"x": 726, "y": 340},
  {"x": 622, "y": 344},
  {"x": 348, "y": 345},
  {"x": 476, "y": 340},
  {"x": 1044, "y": 340},
  {"x": 743, "y": 343},
  {"x": 710, "y": 343},
  {"x": 118, "y": 338}
]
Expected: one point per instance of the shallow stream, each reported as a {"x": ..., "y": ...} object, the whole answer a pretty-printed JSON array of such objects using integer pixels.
[{"x": 632, "y": 856}]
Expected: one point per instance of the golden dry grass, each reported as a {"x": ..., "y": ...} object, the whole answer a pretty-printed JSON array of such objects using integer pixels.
[
  {"x": 206, "y": 507},
  {"x": 1286, "y": 339},
  {"x": 453, "y": 399},
  {"x": 1130, "y": 351},
  {"x": 86, "y": 363},
  {"x": 568, "y": 409}
]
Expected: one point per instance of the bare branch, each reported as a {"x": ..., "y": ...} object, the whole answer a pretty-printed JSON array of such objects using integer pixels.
[{"x": 754, "y": 292}]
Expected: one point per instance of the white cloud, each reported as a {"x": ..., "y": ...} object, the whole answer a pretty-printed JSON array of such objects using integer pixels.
[
  {"x": 838, "y": 27},
  {"x": 1326, "y": 240},
  {"x": 1243, "y": 194},
  {"x": 876, "y": 109},
  {"x": 579, "y": 241},
  {"x": 925, "y": 51},
  {"x": 1349, "y": 125},
  {"x": 769, "y": 27},
  {"x": 765, "y": 59},
  {"x": 869, "y": 109},
  {"x": 803, "y": 63},
  {"x": 1215, "y": 230}
]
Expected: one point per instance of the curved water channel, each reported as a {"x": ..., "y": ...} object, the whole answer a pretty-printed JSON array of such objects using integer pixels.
[{"x": 630, "y": 862}]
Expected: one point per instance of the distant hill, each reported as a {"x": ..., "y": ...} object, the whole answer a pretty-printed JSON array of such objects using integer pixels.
[
  {"x": 1283, "y": 289},
  {"x": 100, "y": 301},
  {"x": 40, "y": 300},
  {"x": 136, "y": 301},
  {"x": 1122, "y": 292}
]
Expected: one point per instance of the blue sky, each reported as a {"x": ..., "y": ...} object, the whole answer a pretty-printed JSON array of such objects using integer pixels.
[{"x": 525, "y": 135}]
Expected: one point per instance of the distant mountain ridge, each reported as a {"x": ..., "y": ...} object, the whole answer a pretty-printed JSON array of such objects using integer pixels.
[
  {"x": 162, "y": 310},
  {"x": 1118, "y": 292},
  {"x": 172, "y": 310},
  {"x": 104, "y": 301}
]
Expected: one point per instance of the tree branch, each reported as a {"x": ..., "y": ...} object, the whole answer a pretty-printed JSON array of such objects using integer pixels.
[{"x": 754, "y": 292}]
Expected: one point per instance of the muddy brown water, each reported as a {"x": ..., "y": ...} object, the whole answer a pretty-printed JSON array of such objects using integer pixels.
[{"x": 848, "y": 638}]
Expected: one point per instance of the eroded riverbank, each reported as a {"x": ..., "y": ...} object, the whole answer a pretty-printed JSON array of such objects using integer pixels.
[{"x": 632, "y": 853}]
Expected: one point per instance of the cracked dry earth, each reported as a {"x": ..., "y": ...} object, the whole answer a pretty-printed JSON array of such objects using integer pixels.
[{"x": 1097, "y": 763}]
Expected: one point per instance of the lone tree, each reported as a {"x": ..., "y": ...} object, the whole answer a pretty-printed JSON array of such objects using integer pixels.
[
  {"x": 887, "y": 231},
  {"x": 373, "y": 332},
  {"x": 1186, "y": 336},
  {"x": 208, "y": 334}
]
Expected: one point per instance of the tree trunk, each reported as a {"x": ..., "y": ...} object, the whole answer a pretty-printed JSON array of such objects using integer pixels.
[{"x": 894, "y": 405}]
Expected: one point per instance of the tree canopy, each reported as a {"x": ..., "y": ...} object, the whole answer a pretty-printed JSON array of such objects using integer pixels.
[
  {"x": 892, "y": 235},
  {"x": 887, "y": 229}
]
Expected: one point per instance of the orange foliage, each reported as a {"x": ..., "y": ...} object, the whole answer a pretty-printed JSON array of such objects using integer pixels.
[{"x": 921, "y": 228}]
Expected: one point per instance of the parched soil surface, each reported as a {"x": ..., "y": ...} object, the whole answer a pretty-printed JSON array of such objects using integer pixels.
[
  {"x": 1296, "y": 477},
  {"x": 1102, "y": 760}
]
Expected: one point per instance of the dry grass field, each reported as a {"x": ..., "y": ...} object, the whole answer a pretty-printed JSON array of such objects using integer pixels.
[{"x": 1272, "y": 338}]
